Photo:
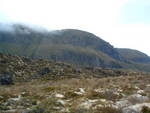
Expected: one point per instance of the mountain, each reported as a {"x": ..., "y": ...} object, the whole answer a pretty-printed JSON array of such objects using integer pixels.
[
  {"x": 69, "y": 45},
  {"x": 137, "y": 59},
  {"x": 134, "y": 55}
]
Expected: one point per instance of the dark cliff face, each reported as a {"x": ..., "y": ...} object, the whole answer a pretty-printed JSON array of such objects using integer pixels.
[
  {"x": 86, "y": 40},
  {"x": 69, "y": 45}
]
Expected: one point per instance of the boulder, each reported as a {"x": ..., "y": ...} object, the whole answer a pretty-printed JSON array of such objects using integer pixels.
[
  {"x": 135, "y": 108},
  {"x": 35, "y": 110},
  {"x": 6, "y": 79},
  {"x": 123, "y": 103},
  {"x": 137, "y": 98},
  {"x": 44, "y": 71}
]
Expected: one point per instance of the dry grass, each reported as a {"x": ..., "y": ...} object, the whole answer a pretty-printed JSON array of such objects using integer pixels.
[
  {"x": 126, "y": 83},
  {"x": 44, "y": 91}
]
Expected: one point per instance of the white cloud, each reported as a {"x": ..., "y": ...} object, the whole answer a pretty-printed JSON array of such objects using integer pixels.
[
  {"x": 62, "y": 13},
  {"x": 101, "y": 17},
  {"x": 136, "y": 36}
]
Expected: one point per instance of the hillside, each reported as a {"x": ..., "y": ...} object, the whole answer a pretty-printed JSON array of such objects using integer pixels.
[
  {"x": 134, "y": 55},
  {"x": 21, "y": 69},
  {"x": 45, "y": 86},
  {"x": 73, "y": 46}
]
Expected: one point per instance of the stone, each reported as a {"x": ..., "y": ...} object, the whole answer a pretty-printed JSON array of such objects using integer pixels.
[
  {"x": 86, "y": 105},
  {"x": 123, "y": 103},
  {"x": 148, "y": 85},
  {"x": 61, "y": 102},
  {"x": 6, "y": 79},
  {"x": 103, "y": 100},
  {"x": 78, "y": 93},
  {"x": 140, "y": 91},
  {"x": 135, "y": 108},
  {"x": 59, "y": 96},
  {"x": 137, "y": 98},
  {"x": 44, "y": 71},
  {"x": 81, "y": 90},
  {"x": 38, "y": 110}
]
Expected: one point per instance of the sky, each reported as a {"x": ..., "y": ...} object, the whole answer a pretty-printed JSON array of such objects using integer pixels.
[{"x": 122, "y": 23}]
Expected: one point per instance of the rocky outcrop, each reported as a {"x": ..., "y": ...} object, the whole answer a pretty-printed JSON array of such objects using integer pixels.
[
  {"x": 6, "y": 79},
  {"x": 20, "y": 69}
]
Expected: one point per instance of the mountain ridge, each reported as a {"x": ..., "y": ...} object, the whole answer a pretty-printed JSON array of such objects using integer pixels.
[{"x": 69, "y": 45}]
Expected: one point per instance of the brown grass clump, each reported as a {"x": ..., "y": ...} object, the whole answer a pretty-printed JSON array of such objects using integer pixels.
[
  {"x": 108, "y": 110},
  {"x": 145, "y": 109},
  {"x": 108, "y": 95}
]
